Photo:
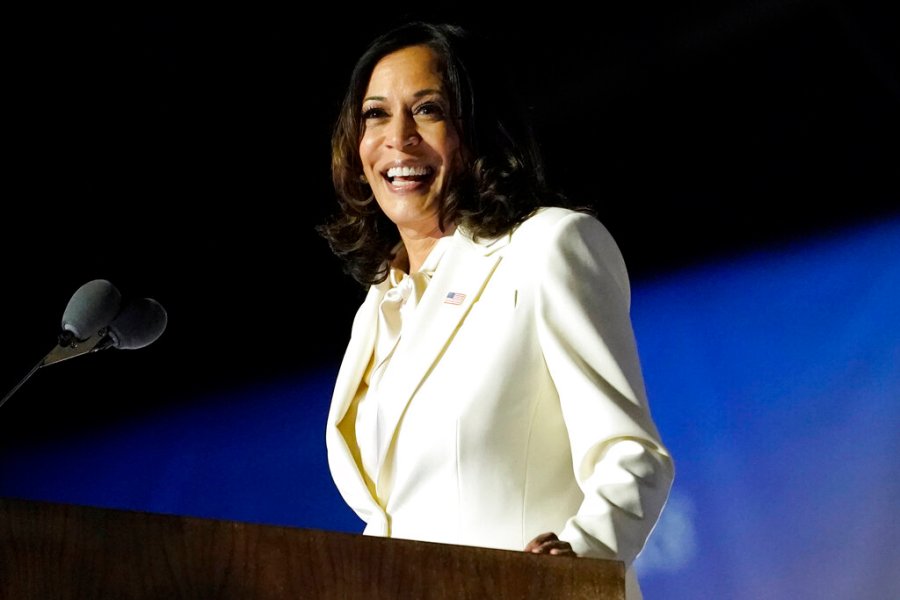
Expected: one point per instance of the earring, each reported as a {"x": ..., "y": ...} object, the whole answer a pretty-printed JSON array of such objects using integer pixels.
[{"x": 363, "y": 179}]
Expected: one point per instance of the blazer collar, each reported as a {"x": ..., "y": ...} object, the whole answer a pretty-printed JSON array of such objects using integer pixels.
[{"x": 483, "y": 246}]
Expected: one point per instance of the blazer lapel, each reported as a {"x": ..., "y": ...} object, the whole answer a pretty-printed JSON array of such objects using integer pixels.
[
  {"x": 359, "y": 352},
  {"x": 346, "y": 471},
  {"x": 457, "y": 283}
]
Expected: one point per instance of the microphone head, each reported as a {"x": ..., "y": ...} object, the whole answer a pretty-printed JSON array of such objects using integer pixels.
[
  {"x": 91, "y": 308},
  {"x": 139, "y": 324}
]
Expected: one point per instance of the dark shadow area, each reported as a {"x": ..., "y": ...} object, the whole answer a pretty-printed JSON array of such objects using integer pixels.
[{"x": 185, "y": 157}]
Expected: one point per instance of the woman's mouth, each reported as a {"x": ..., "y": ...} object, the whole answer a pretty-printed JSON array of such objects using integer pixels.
[{"x": 408, "y": 177}]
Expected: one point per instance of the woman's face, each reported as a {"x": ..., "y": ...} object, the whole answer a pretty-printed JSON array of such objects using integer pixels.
[{"x": 409, "y": 145}]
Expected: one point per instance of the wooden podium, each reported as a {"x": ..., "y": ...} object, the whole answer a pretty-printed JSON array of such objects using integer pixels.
[{"x": 58, "y": 551}]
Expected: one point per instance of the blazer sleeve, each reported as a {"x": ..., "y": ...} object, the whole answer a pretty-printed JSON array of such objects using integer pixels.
[{"x": 586, "y": 336}]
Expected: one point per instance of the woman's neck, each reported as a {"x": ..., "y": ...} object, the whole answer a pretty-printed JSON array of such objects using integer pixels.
[{"x": 417, "y": 249}]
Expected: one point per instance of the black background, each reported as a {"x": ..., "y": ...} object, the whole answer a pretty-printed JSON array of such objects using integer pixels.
[{"x": 185, "y": 157}]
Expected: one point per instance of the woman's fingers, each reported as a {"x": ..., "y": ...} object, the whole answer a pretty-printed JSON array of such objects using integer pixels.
[
  {"x": 549, "y": 543},
  {"x": 540, "y": 540}
]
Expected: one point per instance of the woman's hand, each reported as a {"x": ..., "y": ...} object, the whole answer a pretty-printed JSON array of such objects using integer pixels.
[{"x": 548, "y": 543}]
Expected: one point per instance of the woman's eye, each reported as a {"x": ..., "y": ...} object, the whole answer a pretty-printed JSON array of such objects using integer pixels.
[
  {"x": 373, "y": 113},
  {"x": 430, "y": 108}
]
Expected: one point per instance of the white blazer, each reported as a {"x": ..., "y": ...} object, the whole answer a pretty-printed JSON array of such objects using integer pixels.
[{"x": 520, "y": 410}]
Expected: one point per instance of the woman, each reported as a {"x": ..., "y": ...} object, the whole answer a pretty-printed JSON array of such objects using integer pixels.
[{"x": 491, "y": 392}]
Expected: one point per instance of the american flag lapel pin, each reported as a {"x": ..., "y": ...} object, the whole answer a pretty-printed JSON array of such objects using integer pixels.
[{"x": 454, "y": 298}]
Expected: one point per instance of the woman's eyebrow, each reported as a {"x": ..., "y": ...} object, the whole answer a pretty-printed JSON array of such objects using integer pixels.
[{"x": 418, "y": 94}]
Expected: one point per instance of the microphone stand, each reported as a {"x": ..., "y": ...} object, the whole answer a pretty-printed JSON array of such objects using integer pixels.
[{"x": 68, "y": 347}]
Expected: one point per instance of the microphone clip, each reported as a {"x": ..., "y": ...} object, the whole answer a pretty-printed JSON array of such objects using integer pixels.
[{"x": 70, "y": 346}]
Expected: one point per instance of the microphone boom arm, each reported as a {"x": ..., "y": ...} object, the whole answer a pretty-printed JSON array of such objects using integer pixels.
[{"x": 68, "y": 347}]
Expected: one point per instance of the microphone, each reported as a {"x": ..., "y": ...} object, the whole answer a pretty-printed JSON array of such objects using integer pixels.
[
  {"x": 95, "y": 320},
  {"x": 140, "y": 323},
  {"x": 90, "y": 309}
]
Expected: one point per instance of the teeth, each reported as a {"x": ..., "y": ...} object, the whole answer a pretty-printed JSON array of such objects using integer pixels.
[{"x": 407, "y": 171}]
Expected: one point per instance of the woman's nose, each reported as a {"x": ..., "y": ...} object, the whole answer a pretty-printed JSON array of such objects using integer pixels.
[{"x": 403, "y": 132}]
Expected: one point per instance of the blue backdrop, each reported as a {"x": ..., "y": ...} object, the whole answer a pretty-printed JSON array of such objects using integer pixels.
[{"x": 774, "y": 379}]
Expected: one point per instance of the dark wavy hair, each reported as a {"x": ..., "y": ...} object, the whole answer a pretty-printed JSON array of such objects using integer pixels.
[{"x": 502, "y": 180}]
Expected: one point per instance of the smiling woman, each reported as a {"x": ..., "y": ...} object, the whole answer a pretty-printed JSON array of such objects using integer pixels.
[
  {"x": 491, "y": 393},
  {"x": 409, "y": 146}
]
